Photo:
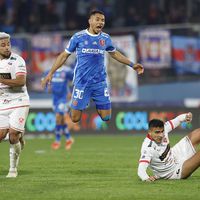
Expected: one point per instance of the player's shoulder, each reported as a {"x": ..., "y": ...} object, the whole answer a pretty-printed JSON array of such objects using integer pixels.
[
  {"x": 106, "y": 35},
  {"x": 16, "y": 58},
  {"x": 80, "y": 33},
  {"x": 147, "y": 143}
]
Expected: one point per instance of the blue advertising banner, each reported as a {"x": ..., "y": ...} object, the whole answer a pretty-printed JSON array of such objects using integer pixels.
[{"x": 186, "y": 54}]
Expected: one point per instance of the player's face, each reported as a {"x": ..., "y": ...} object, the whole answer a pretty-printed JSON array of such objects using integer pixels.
[
  {"x": 5, "y": 48},
  {"x": 96, "y": 22},
  {"x": 157, "y": 134}
]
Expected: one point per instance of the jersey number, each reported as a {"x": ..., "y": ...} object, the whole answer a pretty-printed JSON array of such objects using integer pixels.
[{"x": 78, "y": 94}]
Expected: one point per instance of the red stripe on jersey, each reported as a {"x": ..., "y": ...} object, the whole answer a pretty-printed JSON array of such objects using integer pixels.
[
  {"x": 148, "y": 136},
  {"x": 15, "y": 107},
  {"x": 171, "y": 124},
  {"x": 20, "y": 73},
  {"x": 146, "y": 161}
]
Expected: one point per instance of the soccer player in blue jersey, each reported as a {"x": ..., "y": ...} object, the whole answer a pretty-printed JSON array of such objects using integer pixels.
[
  {"x": 60, "y": 91},
  {"x": 90, "y": 71}
]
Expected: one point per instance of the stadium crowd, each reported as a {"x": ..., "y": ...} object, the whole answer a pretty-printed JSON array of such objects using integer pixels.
[{"x": 17, "y": 16}]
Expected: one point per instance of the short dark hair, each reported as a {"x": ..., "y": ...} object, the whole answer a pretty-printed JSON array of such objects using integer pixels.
[
  {"x": 156, "y": 123},
  {"x": 93, "y": 12}
]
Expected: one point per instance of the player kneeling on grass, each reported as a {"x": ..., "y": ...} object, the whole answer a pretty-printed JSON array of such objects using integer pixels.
[{"x": 178, "y": 162}]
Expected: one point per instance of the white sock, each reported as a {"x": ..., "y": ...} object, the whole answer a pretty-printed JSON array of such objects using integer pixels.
[{"x": 15, "y": 150}]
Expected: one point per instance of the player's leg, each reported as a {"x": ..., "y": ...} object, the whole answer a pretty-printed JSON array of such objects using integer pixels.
[
  {"x": 15, "y": 150},
  {"x": 75, "y": 115},
  {"x": 17, "y": 120},
  {"x": 104, "y": 114},
  {"x": 101, "y": 97},
  {"x": 4, "y": 124},
  {"x": 194, "y": 137},
  {"x": 68, "y": 139},
  {"x": 191, "y": 164},
  {"x": 79, "y": 101},
  {"x": 3, "y": 134},
  {"x": 58, "y": 131},
  {"x": 22, "y": 140}
]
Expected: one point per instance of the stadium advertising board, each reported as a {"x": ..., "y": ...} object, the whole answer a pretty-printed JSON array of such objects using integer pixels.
[
  {"x": 155, "y": 48},
  {"x": 186, "y": 54},
  {"x": 127, "y": 120}
]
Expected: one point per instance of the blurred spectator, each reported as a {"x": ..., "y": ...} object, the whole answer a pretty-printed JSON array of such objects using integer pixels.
[
  {"x": 177, "y": 15},
  {"x": 52, "y": 19},
  {"x": 55, "y": 15},
  {"x": 8, "y": 26},
  {"x": 133, "y": 18},
  {"x": 154, "y": 15},
  {"x": 3, "y": 11}
]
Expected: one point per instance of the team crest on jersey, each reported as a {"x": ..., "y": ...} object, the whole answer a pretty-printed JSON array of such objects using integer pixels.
[
  {"x": 86, "y": 42},
  {"x": 21, "y": 120},
  {"x": 102, "y": 42},
  {"x": 75, "y": 103},
  {"x": 164, "y": 139}
]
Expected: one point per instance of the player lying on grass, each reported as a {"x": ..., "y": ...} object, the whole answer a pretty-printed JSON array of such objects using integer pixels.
[{"x": 178, "y": 162}]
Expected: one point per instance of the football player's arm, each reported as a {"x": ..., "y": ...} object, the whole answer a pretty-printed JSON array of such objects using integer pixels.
[
  {"x": 123, "y": 59},
  {"x": 61, "y": 59},
  {"x": 142, "y": 172},
  {"x": 172, "y": 124},
  {"x": 19, "y": 81}
]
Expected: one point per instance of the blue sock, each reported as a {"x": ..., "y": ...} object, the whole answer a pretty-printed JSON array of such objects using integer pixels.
[
  {"x": 66, "y": 132},
  {"x": 58, "y": 130}
]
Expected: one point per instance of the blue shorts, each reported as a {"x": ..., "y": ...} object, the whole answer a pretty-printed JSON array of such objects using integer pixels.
[
  {"x": 60, "y": 106},
  {"x": 97, "y": 92}
]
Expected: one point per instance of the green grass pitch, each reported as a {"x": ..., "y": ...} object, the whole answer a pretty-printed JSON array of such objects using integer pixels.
[{"x": 98, "y": 167}]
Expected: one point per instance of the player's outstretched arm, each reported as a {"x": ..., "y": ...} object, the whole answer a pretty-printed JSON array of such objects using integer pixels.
[
  {"x": 123, "y": 59},
  {"x": 172, "y": 124},
  {"x": 61, "y": 59}
]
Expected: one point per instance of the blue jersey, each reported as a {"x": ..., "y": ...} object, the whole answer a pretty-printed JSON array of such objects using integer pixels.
[
  {"x": 60, "y": 89},
  {"x": 59, "y": 82},
  {"x": 90, "y": 51}
]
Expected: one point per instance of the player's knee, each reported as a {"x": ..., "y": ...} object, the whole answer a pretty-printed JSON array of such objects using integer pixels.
[
  {"x": 75, "y": 118},
  {"x": 14, "y": 137},
  {"x": 106, "y": 118},
  {"x": 75, "y": 115},
  {"x": 195, "y": 135},
  {"x": 2, "y": 136}
]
